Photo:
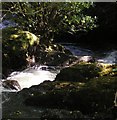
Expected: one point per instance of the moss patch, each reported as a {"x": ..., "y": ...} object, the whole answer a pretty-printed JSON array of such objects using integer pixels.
[
  {"x": 107, "y": 69},
  {"x": 97, "y": 95},
  {"x": 83, "y": 72},
  {"x": 79, "y": 72}
]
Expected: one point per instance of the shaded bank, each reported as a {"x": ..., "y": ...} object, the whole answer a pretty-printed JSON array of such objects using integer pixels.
[
  {"x": 90, "y": 94},
  {"x": 103, "y": 37}
]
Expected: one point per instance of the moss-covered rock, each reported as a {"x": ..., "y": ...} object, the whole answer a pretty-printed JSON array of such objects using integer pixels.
[
  {"x": 15, "y": 44},
  {"x": 83, "y": 72},
  {"x": 79, "y": 72},
  {"x": 21, "y": 39},
  {"x": 93, "y": 99},
  {"x": 95, "y": 96}
]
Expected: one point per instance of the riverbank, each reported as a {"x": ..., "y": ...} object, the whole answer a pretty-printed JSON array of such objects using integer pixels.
[{"x": 83, "y": 85}]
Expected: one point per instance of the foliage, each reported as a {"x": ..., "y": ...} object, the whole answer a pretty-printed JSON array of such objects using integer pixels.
[{"x": 48, "y": 18}]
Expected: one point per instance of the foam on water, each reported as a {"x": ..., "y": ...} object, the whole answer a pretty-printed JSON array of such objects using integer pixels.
[
  {"x": 111, "y": 58},
  {"x": 33, "y": 76}
]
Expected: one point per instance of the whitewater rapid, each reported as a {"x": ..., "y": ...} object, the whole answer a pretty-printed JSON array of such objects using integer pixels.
[{"x": 33, "y": 76}]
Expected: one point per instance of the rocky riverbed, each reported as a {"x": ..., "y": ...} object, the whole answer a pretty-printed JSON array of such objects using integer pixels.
[
  {"x": 83, "y": 90},
  {"x": 65, "y": 81}
]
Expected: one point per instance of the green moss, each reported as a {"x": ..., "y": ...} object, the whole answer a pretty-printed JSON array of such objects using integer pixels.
[
  {"x": 15, "y": 44},
  {"x": 83, "y": 72},
  {"x": 107, "y": 69},
  {"x": 97, "y": 95},
  {"x": 79, "y": 72},
  {"x": 25, "y": 38}
]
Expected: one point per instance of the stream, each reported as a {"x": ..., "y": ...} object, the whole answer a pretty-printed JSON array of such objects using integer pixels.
[
  {"x": 37, "y": 74},
  {"x": 33, "y": 76}
]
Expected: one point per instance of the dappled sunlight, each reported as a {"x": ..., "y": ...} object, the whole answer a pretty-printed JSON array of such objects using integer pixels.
[{"x": 59, "y": 60}]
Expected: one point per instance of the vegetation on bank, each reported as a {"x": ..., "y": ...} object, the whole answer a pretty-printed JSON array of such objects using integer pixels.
[{"x": 45, "y": 19}]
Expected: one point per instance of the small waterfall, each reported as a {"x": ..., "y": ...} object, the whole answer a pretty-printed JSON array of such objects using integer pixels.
[
  {"x": 111, "y": 57},
  {"x": 33, "y": 75}
]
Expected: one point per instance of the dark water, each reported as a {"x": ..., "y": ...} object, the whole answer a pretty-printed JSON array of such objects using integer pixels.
[{"x": 7, "y": 23}]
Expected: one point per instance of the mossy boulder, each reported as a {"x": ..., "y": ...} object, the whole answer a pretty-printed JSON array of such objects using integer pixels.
[
  {"x": 79, "y": 72},
  {"x": 21, "y": 39},
  {"x": 15, "y": 44},
  {"x": 83, "y": 72},
  {"x": 91, "y": 98}
]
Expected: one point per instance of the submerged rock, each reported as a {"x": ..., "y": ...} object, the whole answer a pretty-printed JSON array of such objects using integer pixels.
[{"x": 11, "y": 84}]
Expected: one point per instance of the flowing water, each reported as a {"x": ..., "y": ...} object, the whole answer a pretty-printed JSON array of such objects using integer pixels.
[
  {"x": 77, "y": 50},
  {"x": 37, "y": 74},
  {"x": 110, "y": 57},
  {"x": 100, "y": 56},
  {"x": 33, "y": 76}
]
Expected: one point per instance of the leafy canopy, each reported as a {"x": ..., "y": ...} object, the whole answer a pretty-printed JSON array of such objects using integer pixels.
[{"x": 47, "y": 18}]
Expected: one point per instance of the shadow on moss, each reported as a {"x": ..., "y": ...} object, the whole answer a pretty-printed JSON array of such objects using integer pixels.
[
  {"x": 97, "y": 95},
  {"x": 79, "y": 73}
]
